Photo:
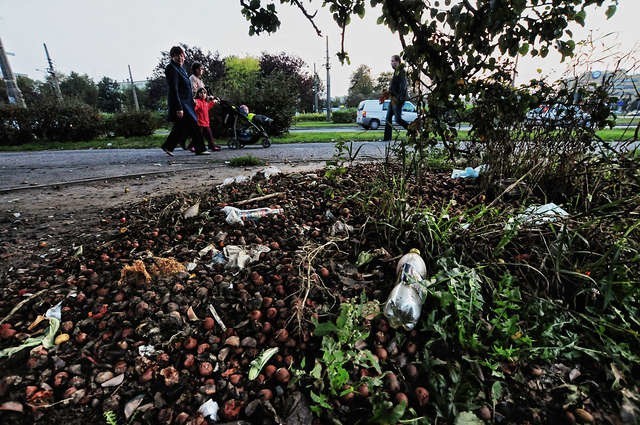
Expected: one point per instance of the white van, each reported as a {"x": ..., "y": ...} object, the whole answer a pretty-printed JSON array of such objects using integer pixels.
[{"x": 373, "y": 114}]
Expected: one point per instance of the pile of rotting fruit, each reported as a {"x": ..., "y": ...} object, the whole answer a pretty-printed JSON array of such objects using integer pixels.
[{"x": 157, "y": 324}]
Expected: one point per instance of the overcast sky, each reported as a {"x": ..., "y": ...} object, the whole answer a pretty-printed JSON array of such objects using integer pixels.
[{"x": 100, "y": 38}]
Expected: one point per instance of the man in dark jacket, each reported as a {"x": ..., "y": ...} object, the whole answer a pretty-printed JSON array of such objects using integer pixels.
[
  {"x": 398, "y": 95},
  {"x": 181, "y": 106}
]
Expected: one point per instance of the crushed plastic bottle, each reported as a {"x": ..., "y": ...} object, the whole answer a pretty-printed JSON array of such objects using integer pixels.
[
  {"x": 404, "y": 305},
  {"x": 237, "y": 216}
]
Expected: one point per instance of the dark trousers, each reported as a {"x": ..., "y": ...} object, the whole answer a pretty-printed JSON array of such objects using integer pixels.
[
  {"x": 207, "y": 135},
  {"x": 395, "y": 109},
  {"x": 183, "y": 129}
]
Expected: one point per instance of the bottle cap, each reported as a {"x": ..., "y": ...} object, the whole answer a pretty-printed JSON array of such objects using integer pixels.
[{"x": 414, "y": 251}]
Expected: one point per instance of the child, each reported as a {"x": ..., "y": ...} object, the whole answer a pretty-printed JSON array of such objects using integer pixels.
[{"x": 203, "y": 104}]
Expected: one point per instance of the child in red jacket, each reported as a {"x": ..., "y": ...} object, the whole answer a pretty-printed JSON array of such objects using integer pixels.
[{"x": 203, "y": 104}]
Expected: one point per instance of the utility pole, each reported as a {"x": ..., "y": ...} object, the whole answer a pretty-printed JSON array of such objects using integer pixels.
[
  {"x": 133, "y": 88},
  {"x": 52, "y": 73},
  {"x": 328, "y": 84},
  {"x": 315, "y": 89},
  {"x": 13, "y": 91}
]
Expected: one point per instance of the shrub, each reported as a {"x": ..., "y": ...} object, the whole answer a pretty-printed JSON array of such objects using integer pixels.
[
  {"x": 133, "y": 124},
  {"x": 69, "y": 121},
  {"x": 315, "y": 116},
  {"x": 16, "y": 126},
  {"x": 346, "y": 115}
]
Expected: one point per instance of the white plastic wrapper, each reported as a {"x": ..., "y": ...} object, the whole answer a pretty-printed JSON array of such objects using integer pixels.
[
  {"x": 541, "y": 214},
  {"x": 209, "y": 409}
]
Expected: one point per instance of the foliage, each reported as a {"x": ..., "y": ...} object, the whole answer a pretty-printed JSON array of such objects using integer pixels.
[
  {"x": 80, "y": 88},
  {"x": 293, "y": 67},
  {"x": 68, "y": 121},
  {"x": 109, "y": 96},
  {"x": 310, "y": 116},
  {"x": 16, "y": 125},
  {"x": 132, "y": 124},
  {"x": 245, "y": 161},
  {"x": 335, "y": 373},
  {"x": 361, "y": 86},
  {"x": 344, "y": 115}
]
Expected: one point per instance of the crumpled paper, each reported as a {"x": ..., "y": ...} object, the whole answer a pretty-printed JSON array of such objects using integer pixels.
[{"x": 238, "y": 257}]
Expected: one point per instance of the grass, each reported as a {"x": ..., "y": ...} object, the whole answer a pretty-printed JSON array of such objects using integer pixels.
[
  {"x": 245, "y": 161},
  {"x": 322, "y": 124},
  {"x": 360, "y": 135}
]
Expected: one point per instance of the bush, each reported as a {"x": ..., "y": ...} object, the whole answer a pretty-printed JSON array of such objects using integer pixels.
[
  {"x": 315, "y": 116},
  {"x": 66, "y": 122},
  {"x": 347, "y": 115},
  {"x": 133, "y": 124},
  {"x": 16, "y": 126}
]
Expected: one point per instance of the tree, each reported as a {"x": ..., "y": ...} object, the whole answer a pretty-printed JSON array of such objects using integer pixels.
[
  {"x": 241, "y": 77},
  {"x": 214, "y": 70},
  {"x": 293, "y": 67},
  {"x": 80, "y": 87},
  {"x": 383, "y": 81},
  {"x": 455, "y": 50},
  {"x": 361, "y": 87},
  {"x": 109, "y": 95}
]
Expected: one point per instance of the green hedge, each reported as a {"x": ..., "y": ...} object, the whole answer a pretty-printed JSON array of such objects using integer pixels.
[
  {"x": 60, "y": 122},
  {"x": 16, "y": 126},
  {"x": 346, "y": 115},
  {"x": 132, "y": 124},
  {"x": 311, "y": 116}
]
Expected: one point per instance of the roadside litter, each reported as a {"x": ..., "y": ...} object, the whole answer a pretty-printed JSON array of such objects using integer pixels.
[
  {"x": 468, "y": 172},
  {"x": 238, "y": 257},
  {"x": 267, "y": 172},
  {"x": 539, "y": 214},
  {"x": 238, "y": 216},
  {"x": 404, "y": 305},
  {"x": 47, "y": 340}
]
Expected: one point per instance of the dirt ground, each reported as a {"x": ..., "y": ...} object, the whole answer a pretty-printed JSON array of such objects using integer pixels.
[{"x": 34, "y": 221}]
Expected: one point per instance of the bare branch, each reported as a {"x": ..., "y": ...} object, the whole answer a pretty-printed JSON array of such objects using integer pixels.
[{"x": 309, "y": 16}]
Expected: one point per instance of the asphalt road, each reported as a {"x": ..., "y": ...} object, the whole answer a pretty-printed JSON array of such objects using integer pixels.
[{"x": 20, "y": 170}]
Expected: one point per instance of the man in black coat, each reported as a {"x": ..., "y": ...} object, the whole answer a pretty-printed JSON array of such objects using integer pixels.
[
  {"x": 398, "y": 94},
  {"x": 181, "y": 106}
]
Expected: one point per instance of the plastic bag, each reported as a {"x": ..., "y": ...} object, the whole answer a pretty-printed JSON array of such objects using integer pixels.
[
  {"x": 404, "y": 305},
  {"x": 468, "y": 172}
]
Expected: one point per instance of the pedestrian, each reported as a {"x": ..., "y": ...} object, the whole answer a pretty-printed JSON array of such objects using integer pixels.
[
  {"x": 398, "y": 95},
  {"x": 196, "y": 78},
  {"x": 181, "y": 106},
  {"x": 203, "y": 104}
]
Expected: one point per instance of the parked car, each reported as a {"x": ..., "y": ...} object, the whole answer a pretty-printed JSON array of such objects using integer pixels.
[
  {"x": 373, "y": 114},
  {"x": 558, "y": 115}
]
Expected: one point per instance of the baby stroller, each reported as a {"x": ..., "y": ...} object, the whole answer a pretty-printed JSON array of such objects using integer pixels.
[{"x": 241, "y": 128}]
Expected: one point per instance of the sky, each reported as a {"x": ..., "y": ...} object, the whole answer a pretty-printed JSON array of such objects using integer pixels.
[{"x": 102, "y": 38}]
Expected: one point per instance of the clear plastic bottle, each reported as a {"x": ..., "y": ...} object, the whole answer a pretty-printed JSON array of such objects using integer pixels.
[{"x": 404, "y": 305}]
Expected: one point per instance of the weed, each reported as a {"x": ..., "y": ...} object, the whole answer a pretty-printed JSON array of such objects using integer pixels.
[{"x": 245, "y": 161}]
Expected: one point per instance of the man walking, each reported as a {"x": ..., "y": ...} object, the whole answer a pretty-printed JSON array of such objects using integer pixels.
[
  {"x": 398, "y": 95},
  {"x": 181, "y": 106}
]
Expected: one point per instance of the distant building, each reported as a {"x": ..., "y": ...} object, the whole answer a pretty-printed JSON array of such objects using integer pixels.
[{"x": 623, "y": 86}]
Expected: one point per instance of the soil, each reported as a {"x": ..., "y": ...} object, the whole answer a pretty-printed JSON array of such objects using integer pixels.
[
  {"x": 155, "y": 323},
  {"x": 33, "y": 220}
]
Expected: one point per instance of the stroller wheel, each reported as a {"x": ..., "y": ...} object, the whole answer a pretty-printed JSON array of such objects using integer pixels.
[
  {"x": 232, "y": 144},
  {"x": 266, "y": 142}
]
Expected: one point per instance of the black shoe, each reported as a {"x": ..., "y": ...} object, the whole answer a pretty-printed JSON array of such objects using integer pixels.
[{"x": 167, "y": 151}]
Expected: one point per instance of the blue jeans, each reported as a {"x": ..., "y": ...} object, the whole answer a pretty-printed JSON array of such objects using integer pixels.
[{"x": 394, "y": 110}]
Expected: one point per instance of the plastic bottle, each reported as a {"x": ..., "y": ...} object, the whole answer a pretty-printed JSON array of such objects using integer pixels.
[{"x": 404, "y": 305}]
